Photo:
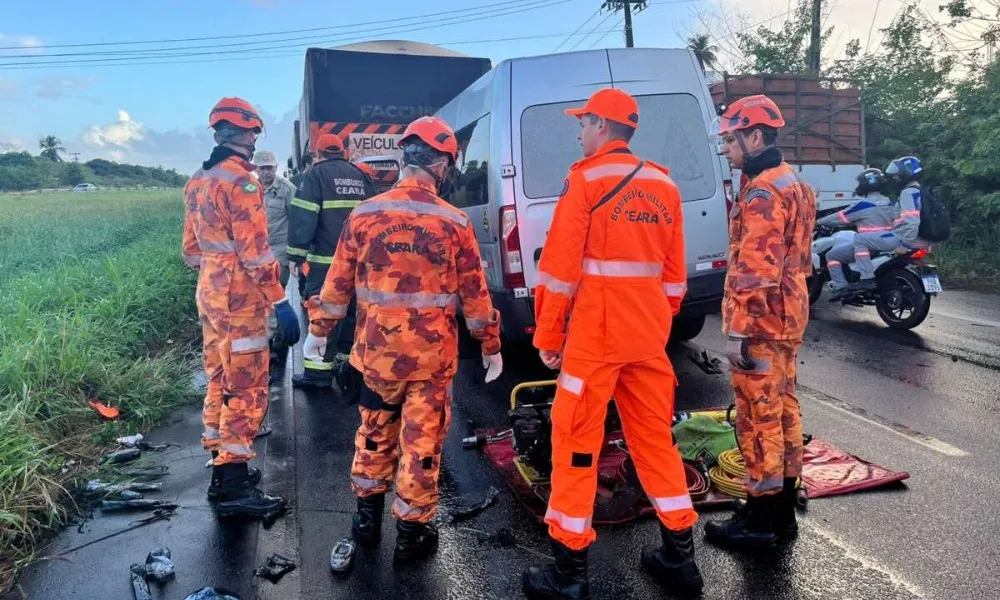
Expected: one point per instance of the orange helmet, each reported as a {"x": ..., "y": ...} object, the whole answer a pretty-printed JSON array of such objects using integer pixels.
[
  {"x": 435, "y": 133},
  {"x": 236, "y": 111},
  {"x": 329, "y": 143},
  {"x": 750, "y": 112}
]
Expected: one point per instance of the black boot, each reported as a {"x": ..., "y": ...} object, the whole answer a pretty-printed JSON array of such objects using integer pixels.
[
  {"x": 367, "y": 526},
  {"x": 309, "y": 380},
  {"x": 414, "y": 541},
  {"x": 750, "y": 528},
  {"x": 279, "y": 358},
  {"x": 673, "y": 562},
  {"x": 215, "y": 486},
  {"x": 567, "y": 578},
  {"x": 240, "y": 498},
  {"x": 785, "y": 525}
]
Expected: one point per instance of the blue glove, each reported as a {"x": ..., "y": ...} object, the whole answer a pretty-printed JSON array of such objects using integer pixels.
[{"x": 288, "y": 324}]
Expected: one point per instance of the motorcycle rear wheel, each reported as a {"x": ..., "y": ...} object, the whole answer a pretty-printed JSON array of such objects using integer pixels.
[{"x": 902, "y": 302}]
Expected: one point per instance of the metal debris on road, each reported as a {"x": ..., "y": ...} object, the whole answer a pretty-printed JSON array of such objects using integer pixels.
[
  {"x": 159, "y": 567},
  {"x": 211, "y": 593},
  {"x": 466, "y": 512},
  {"x": 147, "y": 447},
  {"x": 140, "y": 589},
  {"x": 342, "y": 556},
  {"x": 706, "y": 362},
  {"x": 130, "y": 495},
  {"x": 122, "y": 456},
  {"x": 98, "y": 486},
  {"x": 275, "y": 568},
  {"x": 122, "y": 505}
]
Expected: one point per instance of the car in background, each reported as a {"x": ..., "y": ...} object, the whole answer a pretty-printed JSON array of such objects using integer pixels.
[{"x": 85, "y": 187}]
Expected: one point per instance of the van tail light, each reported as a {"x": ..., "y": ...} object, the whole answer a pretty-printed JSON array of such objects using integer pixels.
[
  {"x": 727, "y": 189},
  {"x": 510, "y": 249},
  {"x": 919, "y": 254}
]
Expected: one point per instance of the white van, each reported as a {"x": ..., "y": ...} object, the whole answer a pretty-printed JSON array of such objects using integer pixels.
[{"x": 516, "y": 146}]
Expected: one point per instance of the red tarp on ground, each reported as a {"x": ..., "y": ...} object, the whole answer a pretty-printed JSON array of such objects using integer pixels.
[{"x": 827, "y": 470}]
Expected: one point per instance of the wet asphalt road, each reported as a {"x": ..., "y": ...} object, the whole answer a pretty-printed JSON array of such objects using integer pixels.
[{"x": 926, "y": 402}]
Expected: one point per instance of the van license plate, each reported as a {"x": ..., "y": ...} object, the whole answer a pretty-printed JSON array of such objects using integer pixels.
[{"x": 932, "y": 285}]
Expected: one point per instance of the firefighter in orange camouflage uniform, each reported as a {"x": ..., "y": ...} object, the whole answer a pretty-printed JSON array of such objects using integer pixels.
[
  {"x": 225, "y": 238},
  {"x": 765, "y": 312},
  {"x": 410, "y": 258}
]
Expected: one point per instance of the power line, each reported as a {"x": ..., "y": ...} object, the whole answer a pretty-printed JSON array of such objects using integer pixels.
[
  {"x": 872, "y": 26},
  {"x": 268, "y": 33},
  {"x": 580, "y": 41},
  {"x": 297, "y": 53},
  {"x": 354, "y": 36},
  {"x": 582, "y": 25},
  {"x": 619, "y": 24}
]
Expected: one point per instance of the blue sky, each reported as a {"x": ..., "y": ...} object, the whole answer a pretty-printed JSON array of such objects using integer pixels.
[{"x": 155, "y": 114}]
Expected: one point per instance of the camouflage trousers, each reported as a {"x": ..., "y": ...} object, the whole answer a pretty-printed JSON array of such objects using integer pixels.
[
  {"x": 768, "y": 421},
  {"x": 402, "y": 432},
  {"x": 236, "y": 357}
]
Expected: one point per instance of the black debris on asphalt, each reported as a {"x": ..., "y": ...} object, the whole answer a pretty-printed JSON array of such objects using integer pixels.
[{"x": 276, "y": 567}]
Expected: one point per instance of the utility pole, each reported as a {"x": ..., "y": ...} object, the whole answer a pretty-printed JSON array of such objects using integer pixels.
[
  {"x": 75, "y": 155},
  {"x": 626, "y": 5},
  {"x": 815, "y": 37}
]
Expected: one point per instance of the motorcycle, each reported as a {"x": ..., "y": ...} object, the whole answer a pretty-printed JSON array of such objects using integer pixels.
[{"x": 904, "y": 282}]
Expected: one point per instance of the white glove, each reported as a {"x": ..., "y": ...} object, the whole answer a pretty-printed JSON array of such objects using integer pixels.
[
  {"x": 314, "y": 348},
  {"x": 493, "y": 364}
]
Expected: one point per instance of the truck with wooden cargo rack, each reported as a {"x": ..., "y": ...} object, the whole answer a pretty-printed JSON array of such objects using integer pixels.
[
  {"x": 824, "y": 135},
  {"x": 368, "y": 93}
]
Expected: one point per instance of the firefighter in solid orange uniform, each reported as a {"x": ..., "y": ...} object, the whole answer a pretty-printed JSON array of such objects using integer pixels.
[
  {"x": 765, "y": 312},
  {"x": 225, "y": 238},
  {"x": 615, "y": 258},
  {"x": 411, "y": 259}
]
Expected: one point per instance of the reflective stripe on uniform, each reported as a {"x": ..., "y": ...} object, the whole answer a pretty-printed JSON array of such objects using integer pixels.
[
  {"x": 580, "y": 525},
  {"x": 873, "y": 228},
  {"x": 412, "y": 208},
  {"x": 249, "y": 344},
  {"x": 192, "y": 261},
  {"x": 843, "y": 217},
  {"x": 621, "y": 268},
  {"x": 573, "y": 385},
  {"x": 557, "y": 286},
  {"x": 675, "y": 289},
  {"x": 340, "y": 203},
  {"x": 404, "y": 510},
  {"x": 621, "y": 170},
  {"x": 671, "y": 503},
  {"x": 319, "y": 260},
  {"x": 210, "y": 433},
  {"x": 306, "y": 204},
  {"x": 335, "y": 311},
  {"x": 217, "y": 173},
  {"x": 369, "y": 484},
  {"x": 785, "y": 181},
  {"x": 477, "y": 324},
  {"x": 768, "y": 484},
  {"x": 317, "y": 365},
  {"x": 292, "y": 250},
  {"x": 222, "y": 247},
  {"x": 260, "y": 261},
  {"x": 236, "y": 449},
  {"x": 403, "y": 300}
]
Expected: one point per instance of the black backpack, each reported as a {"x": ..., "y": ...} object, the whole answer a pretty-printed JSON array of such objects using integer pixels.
[{"x": 935, "y": 223}]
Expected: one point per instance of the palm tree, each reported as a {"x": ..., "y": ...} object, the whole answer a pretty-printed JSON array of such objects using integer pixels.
[
  {"x": 51, "y": 147},
  {"x": 704, "y": 50}
]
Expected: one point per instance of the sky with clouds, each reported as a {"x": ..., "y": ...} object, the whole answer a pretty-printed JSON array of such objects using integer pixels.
[{"x": 105, "y": 104}]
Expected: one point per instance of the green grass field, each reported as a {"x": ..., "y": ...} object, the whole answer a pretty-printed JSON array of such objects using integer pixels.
[{"x": 95, "y": 303}]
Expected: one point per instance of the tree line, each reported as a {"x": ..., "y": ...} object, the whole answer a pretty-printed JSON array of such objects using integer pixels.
[{"x": 20, "y": 171}]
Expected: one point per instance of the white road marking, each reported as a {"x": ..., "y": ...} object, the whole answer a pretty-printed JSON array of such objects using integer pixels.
[
  {"x": 866, "y": 560},
  {"x": 917, "y": 438},
  {"x": 973, "y": 320}
]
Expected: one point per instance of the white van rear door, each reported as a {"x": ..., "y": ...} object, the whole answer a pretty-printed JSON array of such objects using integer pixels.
[
  {"x": 545, "y": 140},
  {"x": 675, "y": 112}
]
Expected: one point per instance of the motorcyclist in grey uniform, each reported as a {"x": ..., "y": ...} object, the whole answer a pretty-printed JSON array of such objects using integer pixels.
[
  {"x": 874, "y": 213},
  {"x": 904, "y": 172}
]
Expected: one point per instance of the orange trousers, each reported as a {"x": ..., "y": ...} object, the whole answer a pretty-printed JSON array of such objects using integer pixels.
[
  {"x": 236, "y": 357},
  {"x": 768, "y": 421},
  {"x": 402, "y": 433},
  {"x": 644, "y": 395}
]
